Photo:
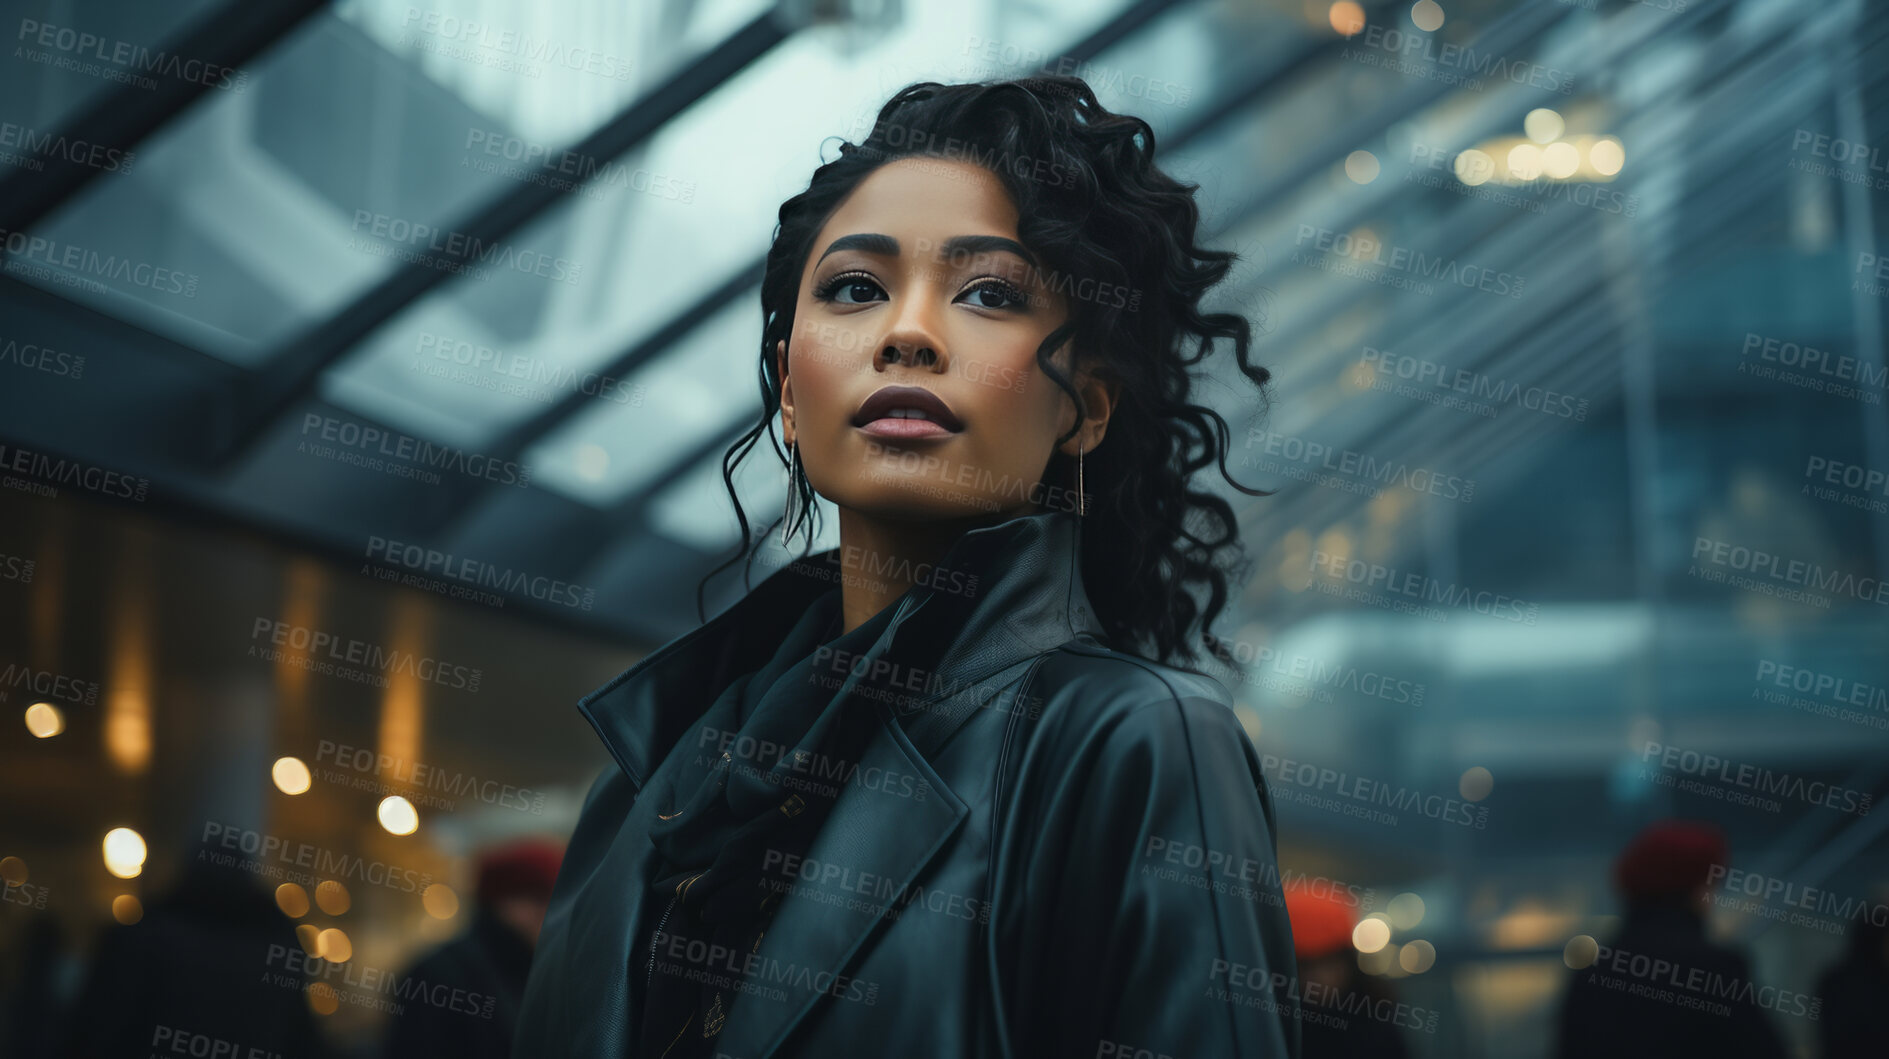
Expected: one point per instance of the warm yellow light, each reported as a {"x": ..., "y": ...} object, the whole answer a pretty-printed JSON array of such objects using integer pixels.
[
  {"x": 1427, "y": 15},
  {"x": 333, "y": 945},
  {"x": 1606, "y": 156},
  {"x": 292, "y": 900},
  {"x": 1543, "y": 125},
  {"x": 1473, "y": 167},
  {"x": 398, "y": 816},
  {"x": 1417, "y": 957},
  {"x": 290, "y": 775},
  {"x": 1560, "y": 160},
  {"x": 1530, "y": 924},
  {"x": 127, "y": 909},
  {"x": 1346, "y": 17},
  {"x": 322, "y": 998},
  {"x": 1361, "y": 167},
  {"x": 1524, "y": 161},
  {"x": 1406, "y": 911},
  {"x": 440, "y": 901},
  {"x": 1371, "y": 934},
  {"x": 124, "y": 852},
  {"x": 310, "y": 937},
  {"x": 44, "y": 720},
  {"x": 333, "y": 897},
  {"x": 1475, "y": 784},
  {"x": 1580, "y": 951},
  {"x": 13, "y": 870}
]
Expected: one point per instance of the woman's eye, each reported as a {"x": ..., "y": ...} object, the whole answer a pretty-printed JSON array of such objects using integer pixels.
[
  {"x": 850, "y": 290},
  {"x": 995, "y": 296}
]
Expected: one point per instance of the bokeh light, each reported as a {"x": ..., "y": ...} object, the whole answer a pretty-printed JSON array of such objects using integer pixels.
[
  {"x": 45, "y": 720},
  {"x": 1347, "y": 18},
  {"x": 124, "y": 852},
  {"x": 1371, "y": 934},
  {"x": 398, "y": 816},
  {"x": 290, "y": 775}
]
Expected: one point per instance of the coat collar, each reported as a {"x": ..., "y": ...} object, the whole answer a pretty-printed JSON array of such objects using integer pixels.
[
  {"x": 1002, "y": 593},
  {"x": 1027, "y": 598}
]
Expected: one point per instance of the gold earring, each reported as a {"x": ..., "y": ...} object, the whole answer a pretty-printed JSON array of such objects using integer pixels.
[
  {"x": 793, "y": 491},
  {"x": 1082, "y": 495}
]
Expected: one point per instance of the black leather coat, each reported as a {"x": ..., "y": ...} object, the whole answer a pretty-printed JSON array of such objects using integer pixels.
[{"x": 1048, "y": 848}]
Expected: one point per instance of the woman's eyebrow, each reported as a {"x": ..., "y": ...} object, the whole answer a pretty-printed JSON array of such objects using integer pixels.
[
  {"x": 986, "y": 244},
  {"x": 870, "y": 242}
]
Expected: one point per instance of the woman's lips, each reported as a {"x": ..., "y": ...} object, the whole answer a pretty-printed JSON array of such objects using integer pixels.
[
  {"x": 906, "y": 413},
  {"x": 905, "y": 429}
]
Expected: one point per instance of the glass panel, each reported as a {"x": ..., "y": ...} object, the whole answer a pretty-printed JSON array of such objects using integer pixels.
[{"x": 364, "y": 141}]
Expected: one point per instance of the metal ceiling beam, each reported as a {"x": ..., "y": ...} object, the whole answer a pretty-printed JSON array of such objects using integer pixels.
[
  {"x": 232, "y": 37},
  {"x": 292, "y": 372}
]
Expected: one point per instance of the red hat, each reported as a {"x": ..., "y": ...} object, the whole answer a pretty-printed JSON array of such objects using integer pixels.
[
  {"x": 1321, "y": 922},
  {"x": 526, "y": 868},
  {"x": 1670, "y": 858}
]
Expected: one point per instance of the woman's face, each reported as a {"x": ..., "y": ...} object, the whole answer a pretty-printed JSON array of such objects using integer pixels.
[{"x": 917, "y": 300}]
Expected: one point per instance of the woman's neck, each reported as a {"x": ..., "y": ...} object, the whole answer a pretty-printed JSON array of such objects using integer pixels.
[{"x": 880, "y": 559}]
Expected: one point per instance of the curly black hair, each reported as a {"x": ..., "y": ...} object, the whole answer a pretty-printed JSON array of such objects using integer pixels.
[{"x": 1091, "y": 203}]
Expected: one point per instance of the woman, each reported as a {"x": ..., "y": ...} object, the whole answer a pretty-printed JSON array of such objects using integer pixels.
[{"x": 931, "y": 792}]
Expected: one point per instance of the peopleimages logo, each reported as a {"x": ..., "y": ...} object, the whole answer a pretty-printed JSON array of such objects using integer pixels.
[
  {"x": 1243, "y": 876},
  {"x": 1358, "y": 468},
  {"x": 46, "y": 684},
  {"x": 1402, "y": 265},
  {"x": 271, "y": 855},
  {"x": 80, "y": 264},
  {"x": 1419, "y": 587},
  {"x": 1318, "y": 1001},
  {"x": 1315, "y": 780},
  {"x": 407, "y": 775},
  {"x": 1462, "y": 57},
  {"x": 1770, "y": 897},
  {"x": 1712, "y": 769},
  {"x": 319, "y": 651},
  {"x": 365, "y": 446},
  {"x": 564, "y": 169},
  {"x": 54, "y": 145},
  {"x": 1315, "y": 674},
  {"x": 452, "y": 246},
  {"x": 375, "y": 987},
  {"x": 1709, "y": 989},
  {"x": 79, "y": 45},
  {"x": 33, "y": 357},
  {"x": 42, "y": 469},
  {"x": 1777, "y": 570},
  {"x": 524, "y": 46},
  {"x": 475, "y": 572},
  {"x": 1475, "y": 384}
]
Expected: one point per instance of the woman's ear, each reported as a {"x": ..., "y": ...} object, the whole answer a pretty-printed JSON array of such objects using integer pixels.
[
  {"x": 1099, "y": 395},
  {"x": 787, "y": 392}
]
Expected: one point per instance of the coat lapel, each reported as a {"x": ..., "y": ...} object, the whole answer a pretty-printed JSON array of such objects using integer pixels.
[
  {"x": 891, "y": 818},
  {"x": 1031, "y": 601}
]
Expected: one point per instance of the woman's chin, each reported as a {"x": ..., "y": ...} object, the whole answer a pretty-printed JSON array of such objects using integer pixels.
[{"x": 917, "y": 499}]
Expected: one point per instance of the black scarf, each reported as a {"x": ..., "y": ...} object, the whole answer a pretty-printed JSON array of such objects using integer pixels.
[{"x": 729, "y": 808}]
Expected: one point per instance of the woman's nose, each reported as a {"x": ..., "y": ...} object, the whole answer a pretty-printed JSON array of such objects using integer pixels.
[{"x": 913, "y": 340}]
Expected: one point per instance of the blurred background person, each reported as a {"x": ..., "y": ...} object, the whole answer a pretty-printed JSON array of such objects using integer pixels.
[
  {"x": 1624, "y": 1005},
  {"x": 200, "y": 969},
  {"x": 1340, "y": 1007},
  {"x": 1855, "y": 992},
  {"x": 488, "y": 963}
]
